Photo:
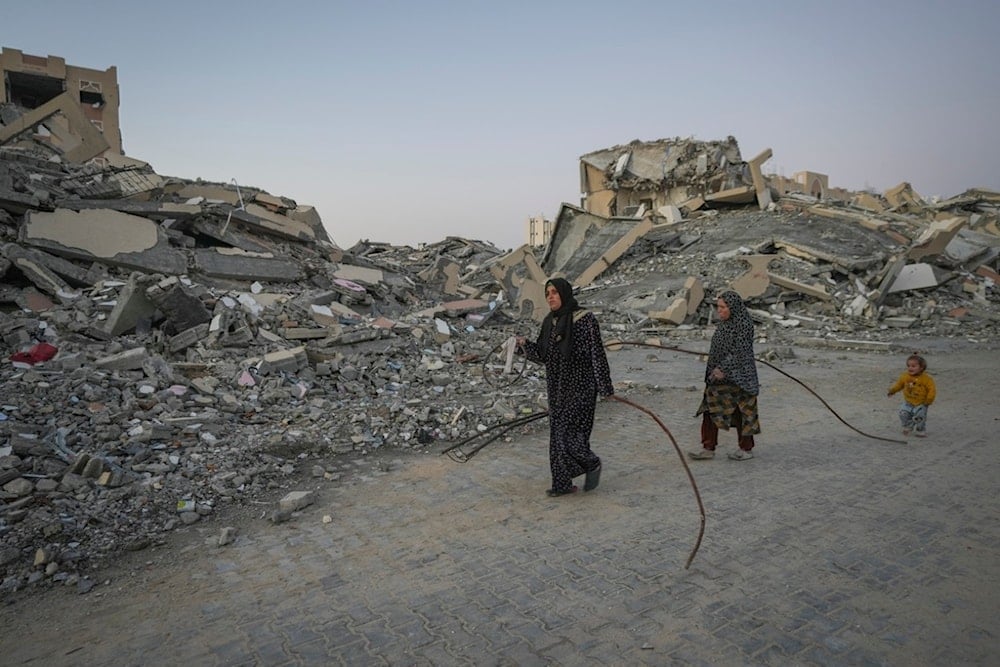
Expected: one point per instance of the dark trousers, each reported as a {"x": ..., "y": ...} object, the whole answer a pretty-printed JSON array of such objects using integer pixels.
[{"x": 710, "y": 432}]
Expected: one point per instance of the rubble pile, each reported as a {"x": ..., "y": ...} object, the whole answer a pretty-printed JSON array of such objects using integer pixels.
[
  {"x": 177, "y": 346},
  {"x": 809, "y": 277}
]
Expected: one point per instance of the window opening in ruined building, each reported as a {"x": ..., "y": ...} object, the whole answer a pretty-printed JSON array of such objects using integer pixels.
[
  {"x": 93, "y": 99},
  {"x": 32, "y": 90}
]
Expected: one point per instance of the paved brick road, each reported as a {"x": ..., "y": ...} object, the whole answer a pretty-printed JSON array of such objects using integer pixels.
[{"x": 827, "y": 548}]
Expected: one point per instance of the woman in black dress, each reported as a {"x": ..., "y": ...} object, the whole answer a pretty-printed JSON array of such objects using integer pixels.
[{"x": 577, "y": 371}]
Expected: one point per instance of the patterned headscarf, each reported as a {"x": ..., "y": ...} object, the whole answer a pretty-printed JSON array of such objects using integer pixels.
[
  {"x": 732, "y": 346},
  {"x": 562, "y": 319}
]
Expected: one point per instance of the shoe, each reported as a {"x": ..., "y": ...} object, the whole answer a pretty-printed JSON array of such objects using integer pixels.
[
  {"x": 593, "y": 479},
  {"x": 906, "y": 431},
  {"x": 552, "y": 493},
  {"x": 921, "y": 434},
  {"x": 702, "y": 453},
  {"x": 740, "y": 455}
]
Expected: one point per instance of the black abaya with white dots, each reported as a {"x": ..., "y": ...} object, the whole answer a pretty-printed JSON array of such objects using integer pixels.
[{"x": 573, "y": 384}]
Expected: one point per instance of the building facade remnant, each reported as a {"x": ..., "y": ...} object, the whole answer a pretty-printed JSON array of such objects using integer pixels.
[{"x": 30, "y": 82}]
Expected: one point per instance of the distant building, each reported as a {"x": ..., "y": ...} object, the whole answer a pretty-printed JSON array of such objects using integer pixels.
[
  {"x": 539, "y": 230},
  {"x": 29, "y": 82},
  {"x": 808, "y": 183}
]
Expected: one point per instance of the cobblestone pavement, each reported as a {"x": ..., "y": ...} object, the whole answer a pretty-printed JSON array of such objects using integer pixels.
[{"x": 827, "y": 548}]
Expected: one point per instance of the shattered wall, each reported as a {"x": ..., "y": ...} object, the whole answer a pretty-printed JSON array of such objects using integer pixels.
[{"x": 31, "y": 81}]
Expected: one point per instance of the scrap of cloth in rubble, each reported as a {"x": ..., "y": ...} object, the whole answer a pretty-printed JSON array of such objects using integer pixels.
[
  {"x": 37, "y": 353},
  {"x": 575, "y": 374},
  {"x": 732, "y": 351}
]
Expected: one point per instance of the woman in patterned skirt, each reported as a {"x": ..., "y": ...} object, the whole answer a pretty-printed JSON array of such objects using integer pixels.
[
  {"x": 577, "y": 371},
  {"x": 731, "y": 386}
]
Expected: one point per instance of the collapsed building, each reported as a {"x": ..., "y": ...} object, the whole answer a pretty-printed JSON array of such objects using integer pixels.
[{"x": 175, "y": 346}]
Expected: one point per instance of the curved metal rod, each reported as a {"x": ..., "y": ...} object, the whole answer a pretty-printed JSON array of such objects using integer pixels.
[
  {"x": 487, "y": 376},
  {"x": 772, "y": 366},
  {"x": 456, "y": 454},
  {"x": 687, "y": 469}
]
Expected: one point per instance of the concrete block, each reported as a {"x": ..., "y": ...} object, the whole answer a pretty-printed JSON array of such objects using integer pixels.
[
  {"x": 671, "y": 213},
  {"x": 124, "y": 361},
  {"x": 360, "y": 274},
  {"x": 695, "y": 293},
  {"x": 188, "y": 337},
  {"x": 131, "y": 306},
  {"x": 935, "y": 238},
  {"x": 289, "y": 360},
  {"x": 182, "y": 309},
  {"x": 463, "y": 307},
  {"x": 442, "y": 332},
  {"x": 296, "y": 500}
]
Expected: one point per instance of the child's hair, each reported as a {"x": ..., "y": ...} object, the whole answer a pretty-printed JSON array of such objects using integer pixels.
[{"x": 920, "y": 360}]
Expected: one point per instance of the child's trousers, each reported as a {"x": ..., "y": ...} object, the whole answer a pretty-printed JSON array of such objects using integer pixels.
[{"x": 913, "y": 417}]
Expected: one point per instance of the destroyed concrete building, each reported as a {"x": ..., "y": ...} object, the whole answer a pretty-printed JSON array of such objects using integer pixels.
[
  {"x": 75, "y": 109},
  {"x": 662, "y": 176},
  {"x": 175, "y": 346}
]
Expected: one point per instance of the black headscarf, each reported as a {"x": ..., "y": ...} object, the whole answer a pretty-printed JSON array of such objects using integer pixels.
[{"x": 561, "y": 319}]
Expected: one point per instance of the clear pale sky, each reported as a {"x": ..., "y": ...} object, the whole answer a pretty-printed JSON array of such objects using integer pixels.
[{"x": 406, "y": 122}]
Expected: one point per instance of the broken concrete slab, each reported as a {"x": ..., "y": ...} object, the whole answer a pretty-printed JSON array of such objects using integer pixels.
[
  {"x": 41, "y": 276},
  {"x": 522, "y": 281},
  {"x": 131, "y": 307},
  {"x": 229, "y": 235},
  {"x": 260, "y": 219},
  {"x": 105, "y": 236},
  {"x": 359, "y": 274},
  {"x": 801, "y": 288},
  {"x": 695, "y": 294},
  {"x": 212, "y": 193},
  {"x": 756, "y": 280},
  {"x": 287, "y": 361},
  {"x": 760, "y": 186},
  {"x": 188, "y": 338},
  {"x": 84, "y": 141},
  {"x": 935, "y": 238},
  {"x": 463, "y": 307},
  {"x": 181, "y": 308},
  {"x": 914, "y": 277},
  {"x": 145, "y": 209},
  {"x": 743, "y": 194},
  {"x": 903, "y": 196},
  {"x": 584, "y": 245},
  {"x": 242, "y": 265},
  {"x": 124, "y": 361},
  {"x": 61, "y": 267}
]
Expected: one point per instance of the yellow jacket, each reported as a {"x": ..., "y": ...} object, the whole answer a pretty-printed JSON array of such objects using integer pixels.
[{"x": 917, "y": 389}]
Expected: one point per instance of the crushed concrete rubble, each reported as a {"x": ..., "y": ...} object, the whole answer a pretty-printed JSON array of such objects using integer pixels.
[{"x": 177, "y": 347}]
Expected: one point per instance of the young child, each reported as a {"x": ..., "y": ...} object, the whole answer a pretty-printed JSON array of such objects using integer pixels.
[{"x": 918, "y": 393}]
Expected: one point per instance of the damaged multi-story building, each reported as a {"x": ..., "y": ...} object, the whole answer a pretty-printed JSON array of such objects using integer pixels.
[
  {"x": 75, "y": 109},
  {"x": 652, "y": 176}
]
